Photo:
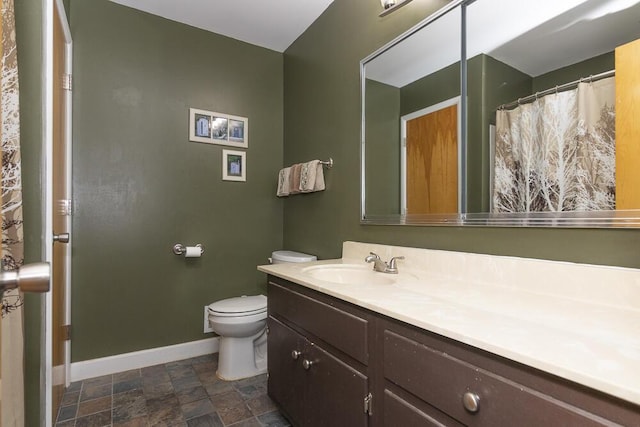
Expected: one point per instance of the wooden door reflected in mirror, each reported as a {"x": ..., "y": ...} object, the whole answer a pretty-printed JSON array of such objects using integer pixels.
[{"x": 431, "y": 160}]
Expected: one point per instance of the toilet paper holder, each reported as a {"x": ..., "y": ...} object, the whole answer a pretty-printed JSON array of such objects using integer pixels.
[{"x": 180, "y": 249}]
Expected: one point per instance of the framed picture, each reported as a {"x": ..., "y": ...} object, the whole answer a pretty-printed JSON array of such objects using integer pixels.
[
  {"x": 199, "y": 125},
  {"x": 218, "y": 128},
  {"x": 234, "y": 165},
  {"x": 236, "y": 130}
]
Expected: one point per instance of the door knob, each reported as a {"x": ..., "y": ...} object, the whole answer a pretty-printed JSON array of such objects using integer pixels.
[
  {"x": 62, "y": 237},
  {"x": 306, "y": 364},
  {"x": 29, "y": 278},
  {"x": 295, "y": 354}
]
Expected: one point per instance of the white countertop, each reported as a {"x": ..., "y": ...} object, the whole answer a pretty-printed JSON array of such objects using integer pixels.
[{"x": 582, "y": 336}]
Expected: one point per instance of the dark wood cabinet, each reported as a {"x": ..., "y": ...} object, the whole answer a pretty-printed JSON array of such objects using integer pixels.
[
  {"x": 428, "y": 379},
  {"x": 316, "y": 354},
  {"x": 326, "y": 356},
  {"x": 286, "y": 378}
]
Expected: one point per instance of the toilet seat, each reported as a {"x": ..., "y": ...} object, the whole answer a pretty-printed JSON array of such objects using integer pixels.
[{"x": 239, "y": 306}]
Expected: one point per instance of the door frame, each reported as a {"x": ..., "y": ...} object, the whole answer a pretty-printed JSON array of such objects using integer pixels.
[
  {"x": 46, "y": 368},
  {"x": 403, "y": 147}
]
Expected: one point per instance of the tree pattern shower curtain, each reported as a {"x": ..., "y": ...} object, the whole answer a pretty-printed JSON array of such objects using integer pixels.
[
  {"x": 11, "y": 361},
  {"x": 558, "y": 152}
]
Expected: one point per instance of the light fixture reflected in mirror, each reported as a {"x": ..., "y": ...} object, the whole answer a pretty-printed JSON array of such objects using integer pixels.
[
  {"x": 386, "y": 4},
  {"x": 389, "y": 6}
]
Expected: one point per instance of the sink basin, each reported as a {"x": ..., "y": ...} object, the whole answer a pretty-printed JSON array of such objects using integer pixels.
[{"x": 349, "y": 274}]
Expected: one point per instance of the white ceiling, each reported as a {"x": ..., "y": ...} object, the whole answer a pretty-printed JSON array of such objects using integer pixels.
[{"x": 270, "y": 24}]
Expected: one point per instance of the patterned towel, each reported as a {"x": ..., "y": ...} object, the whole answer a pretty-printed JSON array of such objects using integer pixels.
[
  {"x": 308, "y": 176},
  {"x": 311, "y": 177}
]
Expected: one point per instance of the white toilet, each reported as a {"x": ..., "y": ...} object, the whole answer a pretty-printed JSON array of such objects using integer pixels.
[{"x": 241, "y": 323}]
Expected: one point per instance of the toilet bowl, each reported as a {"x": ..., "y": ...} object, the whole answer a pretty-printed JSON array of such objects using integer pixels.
[{"x": 241, "y": 323}]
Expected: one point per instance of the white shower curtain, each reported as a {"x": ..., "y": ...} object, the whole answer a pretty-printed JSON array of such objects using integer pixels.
[
  {"x": 11, "y": 361},
  {"x": 558, "y": 152}
]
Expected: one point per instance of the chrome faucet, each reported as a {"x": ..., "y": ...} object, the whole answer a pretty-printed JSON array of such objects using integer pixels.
[{"x": 381, "y": 266}]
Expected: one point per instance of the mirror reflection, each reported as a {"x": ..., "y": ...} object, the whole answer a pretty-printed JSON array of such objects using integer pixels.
[
  {"x": 412, "y": 116},
  {"x": 550, "y": 123}
]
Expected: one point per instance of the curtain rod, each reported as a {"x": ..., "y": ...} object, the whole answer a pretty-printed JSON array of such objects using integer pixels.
[{"x": 558, "y": 88}]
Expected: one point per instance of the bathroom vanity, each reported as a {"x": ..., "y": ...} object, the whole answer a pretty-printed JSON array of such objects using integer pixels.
[{"x": 432, "y": 347}]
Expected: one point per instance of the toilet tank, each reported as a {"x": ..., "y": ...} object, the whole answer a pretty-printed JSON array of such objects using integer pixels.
[{"x": 279, "y": 257}]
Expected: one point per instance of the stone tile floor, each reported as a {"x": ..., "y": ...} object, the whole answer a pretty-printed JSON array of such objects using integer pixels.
[{"x": 182, "y": 393}]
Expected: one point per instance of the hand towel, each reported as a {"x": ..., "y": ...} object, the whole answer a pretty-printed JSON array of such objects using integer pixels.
[
  {"x": 319, "y": 183},
  {"x": 294, "y": 179},
  {"x": 308, "y": 176},
  {"x": 283, "y": 182}
]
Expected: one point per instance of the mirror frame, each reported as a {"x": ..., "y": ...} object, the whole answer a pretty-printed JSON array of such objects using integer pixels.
[{"x": 573, "y": 219}]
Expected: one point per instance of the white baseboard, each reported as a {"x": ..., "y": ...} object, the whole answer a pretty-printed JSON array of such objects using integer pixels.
[{"x": 140, "y": 359}]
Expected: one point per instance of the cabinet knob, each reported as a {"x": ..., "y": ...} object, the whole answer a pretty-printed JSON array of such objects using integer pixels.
[
  {"x": 306, "y": 364},
  {"x": 295, "y": 354},
  {"x": 471, "y": 402}
]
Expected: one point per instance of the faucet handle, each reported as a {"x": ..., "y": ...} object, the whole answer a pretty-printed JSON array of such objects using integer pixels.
[
  {"x": 372, "y": 257},
  {"x": 392, "y": 262}
]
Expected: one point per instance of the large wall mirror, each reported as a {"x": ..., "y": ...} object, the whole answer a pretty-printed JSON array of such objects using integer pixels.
[{"x": 516, "y": 113}]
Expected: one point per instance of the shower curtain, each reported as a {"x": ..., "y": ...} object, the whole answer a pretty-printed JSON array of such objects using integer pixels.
[
  {"x": 558, "y": 152},
  {"x": 11, "y": 358}
]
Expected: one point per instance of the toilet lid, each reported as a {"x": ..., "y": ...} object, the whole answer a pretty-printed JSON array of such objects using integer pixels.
[
  {"x": 292, "y": 256},
  {"x": 243, "y": 305}
]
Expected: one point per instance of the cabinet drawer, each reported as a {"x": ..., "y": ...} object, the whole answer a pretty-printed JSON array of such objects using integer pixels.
[
  {"x": 442, "y": 381},
  {"x": 345, "y": 331},
  {"x": 399, "y": 412}
]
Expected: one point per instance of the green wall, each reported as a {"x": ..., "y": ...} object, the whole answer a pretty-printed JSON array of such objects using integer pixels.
[
  {"x": 597, "y": 64},
  {"x": 427, "y": 91},
  {"x": 383, "y": 148},
  {"x": 29, "y": 39},
  {"x": 140, "y": 186},
  {"x": 322, "y": 87}
]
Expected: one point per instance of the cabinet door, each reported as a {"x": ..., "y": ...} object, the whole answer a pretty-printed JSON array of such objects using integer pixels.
[
  {"x": 286, "y": 381},
  {"x": 335, "y": 391}
]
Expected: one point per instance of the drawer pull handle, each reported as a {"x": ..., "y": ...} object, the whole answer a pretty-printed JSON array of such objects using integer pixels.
[
  {"x": 471, "y": 402},
  {"x": 306, "y": 364},
  {"x": 295, "y": 354}
]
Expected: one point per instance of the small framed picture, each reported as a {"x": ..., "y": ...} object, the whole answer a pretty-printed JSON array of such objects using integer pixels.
[
  {"x": 236, "y": 130},
  {"x": 199, "y": 125},
  {"x": 218, "y": 128},
  {"x": 234, "y": 165}
]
